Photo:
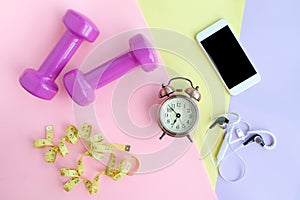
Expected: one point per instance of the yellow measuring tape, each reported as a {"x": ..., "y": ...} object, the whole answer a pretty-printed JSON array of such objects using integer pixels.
[{"x": 96, "y": 149}]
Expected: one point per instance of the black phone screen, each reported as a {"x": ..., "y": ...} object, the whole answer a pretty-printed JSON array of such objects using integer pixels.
[{"x": 228, "y": 57}]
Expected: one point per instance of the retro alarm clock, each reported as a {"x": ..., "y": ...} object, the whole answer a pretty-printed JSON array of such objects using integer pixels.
[{"x": 178, "y": 113}]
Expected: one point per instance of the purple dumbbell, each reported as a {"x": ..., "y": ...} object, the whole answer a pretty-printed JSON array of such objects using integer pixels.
[
  {"x": 81, "y": 86},
  {"x": 41, "y": 83}
]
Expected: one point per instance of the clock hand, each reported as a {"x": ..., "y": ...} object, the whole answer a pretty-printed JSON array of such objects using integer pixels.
[
  {"x": 173, "y": 110},
  {"x": 174, "y": 121},
  {"x": 178, "y": 115}
]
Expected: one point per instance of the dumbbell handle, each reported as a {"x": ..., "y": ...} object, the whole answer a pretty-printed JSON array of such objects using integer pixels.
[
  {"x": 60, "y": 55},
  {"x": 111, "y": 70}
]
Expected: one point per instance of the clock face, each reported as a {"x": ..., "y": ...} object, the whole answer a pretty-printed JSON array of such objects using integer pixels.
[{"x": 178, "y": 115}]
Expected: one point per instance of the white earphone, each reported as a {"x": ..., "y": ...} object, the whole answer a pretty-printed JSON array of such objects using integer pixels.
[
  {"x": 245, "y": 138},
  {"x": 223, "y": 118},
  {"x": 255, "y": 136}
]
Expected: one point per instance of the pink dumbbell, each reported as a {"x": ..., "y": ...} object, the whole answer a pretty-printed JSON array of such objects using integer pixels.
[
  {"x": 81, "y": 86},
  {"x": 41, "y": 83}
]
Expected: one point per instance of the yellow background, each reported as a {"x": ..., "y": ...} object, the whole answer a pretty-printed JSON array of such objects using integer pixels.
[{"x": 188, "y": 18}]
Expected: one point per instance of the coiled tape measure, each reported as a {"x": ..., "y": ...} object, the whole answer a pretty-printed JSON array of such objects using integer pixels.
[{"x": 96, "y": 149}]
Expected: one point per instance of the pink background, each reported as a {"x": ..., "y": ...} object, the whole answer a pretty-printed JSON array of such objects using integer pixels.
[{"x": 29, "y": 31}]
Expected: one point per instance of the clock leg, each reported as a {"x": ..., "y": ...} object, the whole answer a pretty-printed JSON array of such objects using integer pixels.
[
  {"x": 162, "y": 135},
  {"x": 190, "y": 139}
]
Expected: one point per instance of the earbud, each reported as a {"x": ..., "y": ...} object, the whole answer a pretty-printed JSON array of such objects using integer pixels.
[
  {"x": 222, "y": 121},
  {"x": 260, "y": 139},
  {"x": 255, "y": 138},
  {"x": 236, "y": 119}
]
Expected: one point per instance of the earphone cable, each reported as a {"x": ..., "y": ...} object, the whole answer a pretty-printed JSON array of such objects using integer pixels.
[{"x": 242, "y": 161}]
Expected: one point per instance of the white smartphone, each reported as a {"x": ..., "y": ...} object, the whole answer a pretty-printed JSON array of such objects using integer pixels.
[{"x": 228, "y": 57}]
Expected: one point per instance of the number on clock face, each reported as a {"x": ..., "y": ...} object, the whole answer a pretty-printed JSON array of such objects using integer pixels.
[{"x": 178, "y": 115}]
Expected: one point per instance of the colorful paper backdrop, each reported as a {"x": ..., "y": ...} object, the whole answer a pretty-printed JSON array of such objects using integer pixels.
[
  {"x": 188, "y": 18},
  {"x": 30, "y": 29},
  {"x": 270, "y": 34}
]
